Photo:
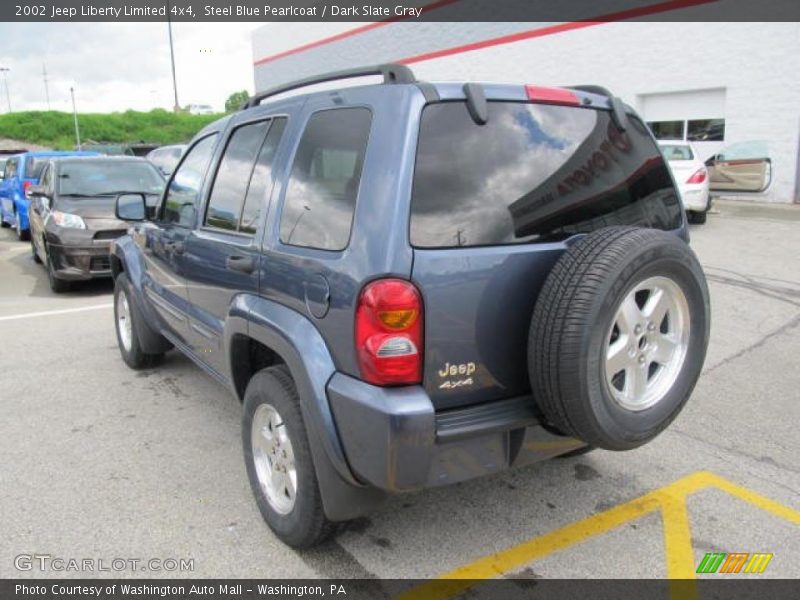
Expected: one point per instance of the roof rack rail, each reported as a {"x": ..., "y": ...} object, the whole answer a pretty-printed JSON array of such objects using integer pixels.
[
  {"x": 392, "y": 73},
  {"x": 618, "y": 111}
]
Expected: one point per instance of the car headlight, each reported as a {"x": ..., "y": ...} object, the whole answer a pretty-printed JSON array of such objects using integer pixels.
[{"x": 63, "y": 219}]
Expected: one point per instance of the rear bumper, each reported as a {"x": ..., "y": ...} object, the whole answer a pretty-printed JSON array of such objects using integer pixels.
[
  {"x": 394, "y": 439},
  {"x": 696, "y": 197},
  {"x": 79, "y": 263}
]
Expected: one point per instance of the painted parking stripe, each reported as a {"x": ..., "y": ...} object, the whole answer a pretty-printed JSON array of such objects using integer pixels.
[
  {"x": 669, "y": 500},
  {"x": 47, "y": 313}
]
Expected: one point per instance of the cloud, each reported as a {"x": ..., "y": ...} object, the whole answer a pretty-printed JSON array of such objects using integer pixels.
[{"x": 117, "y": 66}]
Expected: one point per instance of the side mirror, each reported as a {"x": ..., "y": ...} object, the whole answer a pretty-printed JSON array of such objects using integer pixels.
[
  {"x": 131, "y": 207},
  {"x": 35, "y": 191}
]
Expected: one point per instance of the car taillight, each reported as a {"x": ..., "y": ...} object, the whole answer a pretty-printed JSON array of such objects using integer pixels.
[
  {"x": 698, "y": 176},
  {"x": 389, "y": 333},
  {"x": 546, "y": 95}
]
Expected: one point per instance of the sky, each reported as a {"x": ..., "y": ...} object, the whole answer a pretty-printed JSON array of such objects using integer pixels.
[{"x": 120, "y": 66}]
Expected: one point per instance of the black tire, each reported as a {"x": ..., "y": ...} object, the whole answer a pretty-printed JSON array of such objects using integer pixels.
[
  {"x": 133, "y": 356},
  {"x": 573, "y": 323},
  {"x": 305, "y": 524},
  {"x": 35, "y": 255},
  {"x": 57, "y": 286},
  {"x": 697, "y": 217}
]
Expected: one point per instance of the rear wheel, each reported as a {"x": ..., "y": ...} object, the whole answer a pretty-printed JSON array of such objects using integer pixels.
[
  {"x": 698, "y": 217},
  {"x": 22, "y": 234},
  {"x": 618, "y": 336},
  {"x": 278, "y": 460},
  {"x": 125, "y": 315}
]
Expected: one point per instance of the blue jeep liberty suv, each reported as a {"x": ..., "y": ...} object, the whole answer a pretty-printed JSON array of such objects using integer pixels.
[{"x": 411, "y": 284}]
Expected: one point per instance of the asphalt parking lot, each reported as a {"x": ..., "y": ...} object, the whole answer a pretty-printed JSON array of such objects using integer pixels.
[{"x": 99, "y": 461}]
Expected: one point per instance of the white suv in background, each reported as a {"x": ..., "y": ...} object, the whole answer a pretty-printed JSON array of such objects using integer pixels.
[{"x": 691, "y": 176}]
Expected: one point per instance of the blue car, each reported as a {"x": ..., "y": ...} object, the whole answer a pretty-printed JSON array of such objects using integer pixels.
[{"x": 22, "y": 171}]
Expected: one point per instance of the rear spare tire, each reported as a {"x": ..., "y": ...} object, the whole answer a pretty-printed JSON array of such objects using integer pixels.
[{"x": 618, "y": 336}]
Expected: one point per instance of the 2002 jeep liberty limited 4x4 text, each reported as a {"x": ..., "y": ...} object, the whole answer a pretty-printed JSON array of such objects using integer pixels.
[{"x": 412, "y": 284}]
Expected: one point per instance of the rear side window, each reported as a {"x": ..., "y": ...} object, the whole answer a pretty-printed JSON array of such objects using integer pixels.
[
  {"x": 534, "y": 173},
  {"x": 321, "y": 193},
  {"x": 33, "y": 167},
  {"x": 233, "y": 176}
]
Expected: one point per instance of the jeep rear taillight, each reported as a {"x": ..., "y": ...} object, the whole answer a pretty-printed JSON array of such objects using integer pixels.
[
  {"x": 698, "y": 176},
  {"x": 389, "y": 333}
]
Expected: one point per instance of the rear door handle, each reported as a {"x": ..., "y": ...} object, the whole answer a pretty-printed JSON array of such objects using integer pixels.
[{"x": 243, "y": 264}]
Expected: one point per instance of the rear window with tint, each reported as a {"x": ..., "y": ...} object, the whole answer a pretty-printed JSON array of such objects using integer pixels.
[
  {"x": 534, "y": 173},
  {"x": 33, "y": 167}
]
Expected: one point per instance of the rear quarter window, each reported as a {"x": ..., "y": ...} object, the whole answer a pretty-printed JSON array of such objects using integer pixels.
[{"x": 534, "y": 173}]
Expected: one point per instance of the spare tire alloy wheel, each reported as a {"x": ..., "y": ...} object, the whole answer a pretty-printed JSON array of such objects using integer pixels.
[
  {"x": 273, "y": 457},
  {"x": 647, "y": 343},
  {"x": 618, "y": 336}
]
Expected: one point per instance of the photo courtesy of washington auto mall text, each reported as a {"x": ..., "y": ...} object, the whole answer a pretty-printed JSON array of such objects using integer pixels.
[{"x": 399, "y": 299}]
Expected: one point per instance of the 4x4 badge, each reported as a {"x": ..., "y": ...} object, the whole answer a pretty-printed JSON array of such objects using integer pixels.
[{"x": 453, "y": 370}]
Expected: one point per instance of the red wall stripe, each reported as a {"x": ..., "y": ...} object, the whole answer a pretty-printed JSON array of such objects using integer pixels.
[
  {"x": 553, "y": 29},
  {"x": 349, "y": 33},
  {"x": 633, "y": 13}
]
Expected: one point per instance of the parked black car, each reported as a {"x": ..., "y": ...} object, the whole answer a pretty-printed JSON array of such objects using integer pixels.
[{"x": 71, "y": 213}]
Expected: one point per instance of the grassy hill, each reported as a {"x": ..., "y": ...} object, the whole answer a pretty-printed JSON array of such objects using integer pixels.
[{"x": 56, "y": 129}]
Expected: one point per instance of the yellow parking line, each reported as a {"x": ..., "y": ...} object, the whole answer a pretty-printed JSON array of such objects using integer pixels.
[{"x": 670, "y": 500}]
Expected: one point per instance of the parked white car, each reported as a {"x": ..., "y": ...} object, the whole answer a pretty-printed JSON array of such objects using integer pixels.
[
  {"x": 201, "y": 109},
  {"x": 691, "y": 176}
]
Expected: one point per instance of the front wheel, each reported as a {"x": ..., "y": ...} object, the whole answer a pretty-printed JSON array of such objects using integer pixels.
[
  {"x": 278, "y": 460},
  {"x": 57, "y": 286},
  {"x": 125, "y": 316}
]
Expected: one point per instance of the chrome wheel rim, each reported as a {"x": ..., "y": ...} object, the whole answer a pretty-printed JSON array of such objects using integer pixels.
[
  {"x": 646, "y": 343},
  {"x": 124, "y": 326},
  {"x": 273, "y": 457}
]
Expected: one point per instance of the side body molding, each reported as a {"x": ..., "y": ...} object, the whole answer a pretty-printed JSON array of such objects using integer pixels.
[{"x": 297, "y": 341}]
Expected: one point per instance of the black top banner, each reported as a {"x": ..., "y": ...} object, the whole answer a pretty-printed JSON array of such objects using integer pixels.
[{"x": 398, "y": 10}]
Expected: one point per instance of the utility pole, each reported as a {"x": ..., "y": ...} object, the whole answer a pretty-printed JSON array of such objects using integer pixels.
[
  {"x": 177, "y": 106},
  {"x": 46, "y": 90},
  {"x": 75, "y": 118},
  {"x": 4, "y": 71}
]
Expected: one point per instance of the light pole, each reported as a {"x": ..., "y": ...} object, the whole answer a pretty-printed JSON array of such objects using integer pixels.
[
  {"x": 177, "y": 106},
  {"x": 4, "y": 71},
  {"x": 75, "y": 118},
  {"x": 46, "y": 89}
]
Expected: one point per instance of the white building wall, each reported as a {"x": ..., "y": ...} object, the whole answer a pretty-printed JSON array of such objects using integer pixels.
[{"x": 757, "y": 65}]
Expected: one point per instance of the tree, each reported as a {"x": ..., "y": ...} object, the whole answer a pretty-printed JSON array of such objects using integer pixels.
[{"x": 235, "y": 100}]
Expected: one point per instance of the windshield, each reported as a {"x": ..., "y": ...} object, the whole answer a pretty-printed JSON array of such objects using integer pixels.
[
  {"x": 98, "y": 178},
  {"x": 676, "y": 152}
]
